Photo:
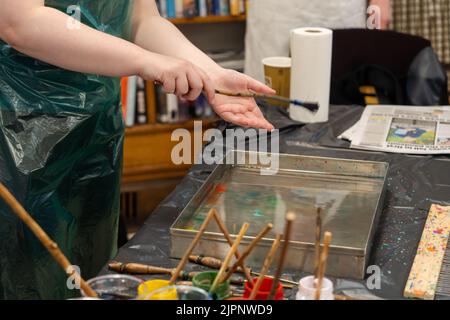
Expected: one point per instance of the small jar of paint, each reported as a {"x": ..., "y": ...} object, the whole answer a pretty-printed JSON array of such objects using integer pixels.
[
  {"x": 178, "y": 293},
  {"x": 114, "y": 287},
  {"x": 307, "y": 289},
  {"x": 264, "y": 290},
  {"x": 150, "y": 286},
  {"x": 204, "y": 280}
]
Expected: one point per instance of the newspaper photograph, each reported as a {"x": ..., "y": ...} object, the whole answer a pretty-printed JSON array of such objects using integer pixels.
[{"x": 402, "y": 129}]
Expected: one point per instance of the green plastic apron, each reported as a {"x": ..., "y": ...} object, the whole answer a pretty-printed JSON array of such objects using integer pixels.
[{"x": 61, "y": 136}]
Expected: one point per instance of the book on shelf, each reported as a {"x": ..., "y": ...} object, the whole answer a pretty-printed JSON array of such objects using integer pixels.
[
  {"x": 123, "y": 92},
  {"x": 141, "y": 103},
  {"x": 131, "y": 101},
  {"x": 146, "y": 103},
  {"x": 171, "y": 109},
  {"x": 136, "y": 96},
  {"x": 202, "y": 8}
]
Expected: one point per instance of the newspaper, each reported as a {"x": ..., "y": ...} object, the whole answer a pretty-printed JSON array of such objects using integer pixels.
[{"x": 402, "y": 129}]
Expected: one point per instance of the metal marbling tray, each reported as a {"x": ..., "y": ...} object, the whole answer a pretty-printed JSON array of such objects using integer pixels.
[{"x": 349, "y": 191}]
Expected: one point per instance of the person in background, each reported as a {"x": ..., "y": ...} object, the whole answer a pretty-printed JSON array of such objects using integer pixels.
[
  {"x": 269, "y": 23},
  {"x": 426, "y": 18},
  {"x": 61, "y": 128}
]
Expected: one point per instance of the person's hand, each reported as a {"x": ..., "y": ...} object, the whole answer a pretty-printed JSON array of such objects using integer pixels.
[
  {"x": 385, "y": 9},
  {"x": 240, "y": 111},
  {"x": 177, "y": 76}
]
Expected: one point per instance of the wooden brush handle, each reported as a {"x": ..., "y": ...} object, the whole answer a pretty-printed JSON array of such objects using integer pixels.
[
  {"x": 48, "y": 243},
  {"x": 266, "y": 266},
  {"x": 191, "y": 247},
  {"x": 318, "y": 240},
  {"x": 227, "y": 236},
  {"x": 212, "y": 263},
  {"x": 248, "y": 251},
  {"x": 323, "y": 263},
  {"x": 290, "y": 217},
  {"x": 219, "y": 278},
  {"x": 137, "y": 268},
  {"x": 206, "y": 261}
]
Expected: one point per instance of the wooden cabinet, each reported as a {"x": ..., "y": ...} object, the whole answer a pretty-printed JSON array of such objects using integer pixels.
[{"x": 148, "y": 149}]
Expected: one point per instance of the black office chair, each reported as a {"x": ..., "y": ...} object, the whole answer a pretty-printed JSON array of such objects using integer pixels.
[{"x": 386, "y": 67}]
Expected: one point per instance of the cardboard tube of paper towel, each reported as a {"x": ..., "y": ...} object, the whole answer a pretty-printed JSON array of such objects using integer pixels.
[{"x": 311, "y": 50}]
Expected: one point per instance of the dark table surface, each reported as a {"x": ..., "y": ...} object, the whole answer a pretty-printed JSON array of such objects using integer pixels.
[{"x": 413, "y": 184}]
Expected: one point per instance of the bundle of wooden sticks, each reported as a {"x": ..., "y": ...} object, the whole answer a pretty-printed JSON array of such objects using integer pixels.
[{"x": 227, "y": 270}]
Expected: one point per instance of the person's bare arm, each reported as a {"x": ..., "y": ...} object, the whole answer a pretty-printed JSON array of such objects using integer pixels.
[
  {"x": 154, "y": 33},
  {"x": 43, "y": 33}
]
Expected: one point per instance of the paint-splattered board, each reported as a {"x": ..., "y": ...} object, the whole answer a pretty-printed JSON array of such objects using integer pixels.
[
  {"x": 348, "y": 191},
  {"x": 424, "y": 275}
]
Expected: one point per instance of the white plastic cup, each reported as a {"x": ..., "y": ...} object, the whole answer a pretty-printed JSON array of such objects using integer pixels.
[{"x": 307, "y": 289}]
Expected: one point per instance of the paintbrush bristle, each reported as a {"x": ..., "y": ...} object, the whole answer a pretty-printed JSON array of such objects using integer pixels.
[{"x": 311, "y": 106}]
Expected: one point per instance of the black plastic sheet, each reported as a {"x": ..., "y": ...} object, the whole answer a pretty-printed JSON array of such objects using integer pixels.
[{"x": 413, "y": 184}]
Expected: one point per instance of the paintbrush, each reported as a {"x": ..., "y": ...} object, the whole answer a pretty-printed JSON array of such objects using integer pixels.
[
  {"x": 247, "y": 251},
  {"x": 215, "y": 263},
  {"x": 311, "y": 106},
  {"x": 266, "y": 266},
  {"x": 211, "y": 262},
  {"x": 219, "y": 278},
  {"x": 323, "y": 263},
  {"x": 184, "y": 260},
  {"x": 46, "y": 241},
  {"x": 288, "y": 284},
  {"x": 290, "y": 217},
  {"x": 227, "y": 236},
  {"x": 318, "y": 240},
  {"x": 137, "y": 268}
]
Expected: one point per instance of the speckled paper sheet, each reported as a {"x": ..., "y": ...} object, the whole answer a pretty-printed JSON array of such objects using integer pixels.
[{"x": 424, "y": 276}]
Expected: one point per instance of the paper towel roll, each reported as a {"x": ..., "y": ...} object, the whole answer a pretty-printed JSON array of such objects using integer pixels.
[{"x": 311, "y": 50}]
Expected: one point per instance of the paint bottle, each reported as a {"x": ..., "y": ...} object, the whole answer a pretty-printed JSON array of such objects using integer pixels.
[{"x": 307, "y": 289}]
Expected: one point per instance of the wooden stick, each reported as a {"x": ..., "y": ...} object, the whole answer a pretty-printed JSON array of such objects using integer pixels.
[
  {"x": 323, "y": 263},
  {"x": 266, "y": 266},
  {"x": 215, "y": 263},
  {"x": 191, "y": 247},
  {"x": 137, "y": 268},
  {"x": 48, "y": 243},
  {"x": 211, "y": 262},
  {"x": 225, "y": 232},
  {"x": 286, "y": 282},
  {"x": 311, "y": 106},
  {"x": 218, "y": 280},
  {"x": 344, "y": 298},
  {"x": 247, "y": 251},
  {"x": 290, "y": 217},
  {"x": 318, "y": 241}
]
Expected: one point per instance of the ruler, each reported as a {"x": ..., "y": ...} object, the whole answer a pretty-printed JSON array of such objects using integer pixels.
[{"x": 430, "y": 268}]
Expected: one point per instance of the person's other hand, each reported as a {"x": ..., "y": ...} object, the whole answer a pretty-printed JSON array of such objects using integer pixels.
[
  {"x": 240, "y": 111},
  {"x": 177, "y": 76},
  {"x": 386, "y": 12}
]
